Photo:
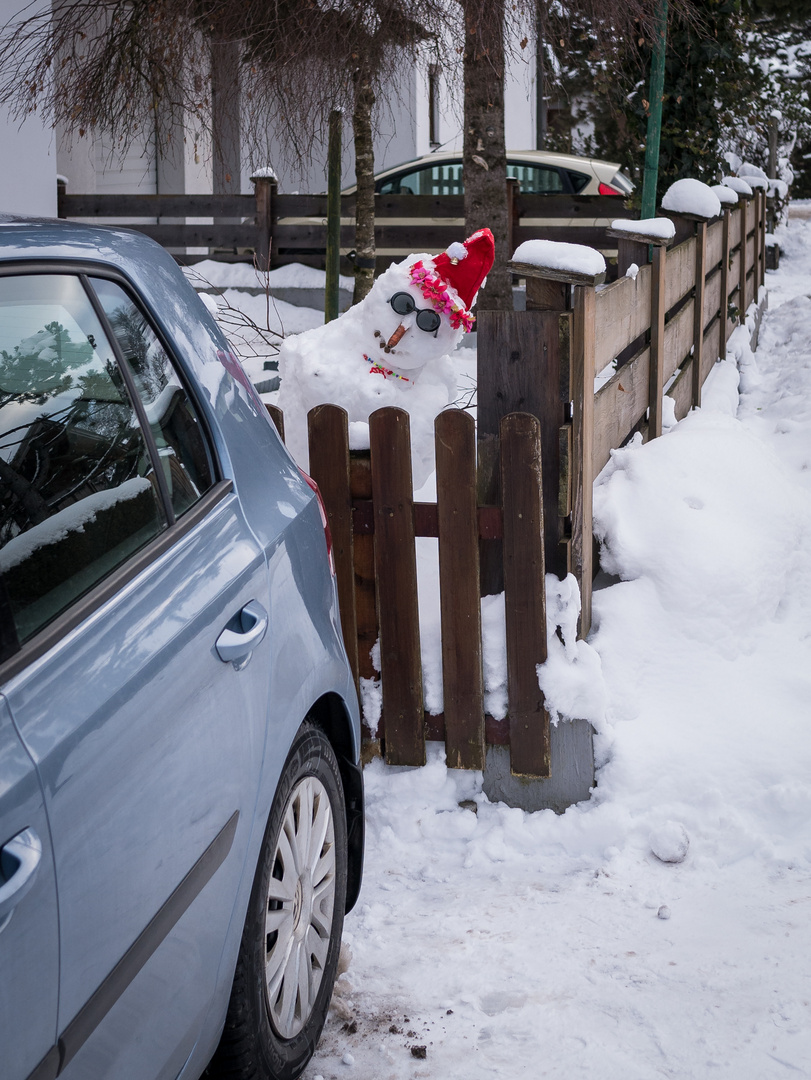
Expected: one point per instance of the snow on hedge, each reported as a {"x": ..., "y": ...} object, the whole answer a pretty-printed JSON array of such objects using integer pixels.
[
  {"x": 655, "y": 228},
  {"x": 553, "y": 255},
  {"x": 691, "y": 197}
]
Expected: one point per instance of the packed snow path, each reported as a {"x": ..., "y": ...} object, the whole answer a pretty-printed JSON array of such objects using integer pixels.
[{"x": 499, "y": 944}]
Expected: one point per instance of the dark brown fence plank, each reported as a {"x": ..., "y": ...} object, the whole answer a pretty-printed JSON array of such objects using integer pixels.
[
  {"x": 462, "y": 678},
  {"x": 582, "y": 477},
  {"x": 520, "y": 370},
  {"x": 277, "y": 416},
  {"x": 396, "y": 572},
  {"x": 124, "y": 205},
  {"x": 328, "y": 431},
  {"x": 198, "y": 235},
  {"x": 525, "y": 598},
  {"x": 698, "y": 317},
  {"x": 657, "y": 341}
]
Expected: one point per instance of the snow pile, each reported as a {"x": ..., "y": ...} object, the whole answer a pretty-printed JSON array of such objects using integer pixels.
[
  {"x": 220, "y": 275},
  {"x": 691, "y": 197},
  {"x": 725, "y": 195},
  {"x": 747, "y": 169},
  {"x": 553, "y": 255},
  {"x": 655, "y": 228},
  {"x": 571, "y": 678},
  {"x": 736, "y": 184}
]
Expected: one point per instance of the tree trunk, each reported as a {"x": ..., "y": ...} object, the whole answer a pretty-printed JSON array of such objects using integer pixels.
[
  {"x": 365, "y": 180},
  {"x": 484, "y": 152}
]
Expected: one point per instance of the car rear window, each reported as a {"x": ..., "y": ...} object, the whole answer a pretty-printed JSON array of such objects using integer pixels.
[{"x": 79, "y": 493}]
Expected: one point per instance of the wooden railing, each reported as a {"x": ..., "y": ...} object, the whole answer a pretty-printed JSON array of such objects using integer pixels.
[
  {"x": 665, "y": 328},
  {"x": 292, "y": 228}
]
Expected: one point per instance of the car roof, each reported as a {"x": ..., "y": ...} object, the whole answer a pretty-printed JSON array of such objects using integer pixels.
[
  {"x": 572, "y": 161},
  {"x": 150, "y": 269}
]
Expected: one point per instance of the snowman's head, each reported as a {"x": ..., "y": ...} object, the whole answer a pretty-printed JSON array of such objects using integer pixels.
[{"x": 418, "y": 309}]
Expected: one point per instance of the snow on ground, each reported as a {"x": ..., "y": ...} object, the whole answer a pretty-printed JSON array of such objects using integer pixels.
[{"x": 492, "y": 943}]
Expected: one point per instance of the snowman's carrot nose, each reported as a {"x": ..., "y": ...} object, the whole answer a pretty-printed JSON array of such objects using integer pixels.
[{"x": 396, "y": 336}]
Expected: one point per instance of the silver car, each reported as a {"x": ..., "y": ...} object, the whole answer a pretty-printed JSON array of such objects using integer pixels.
[{"x": 181, "y": 804}]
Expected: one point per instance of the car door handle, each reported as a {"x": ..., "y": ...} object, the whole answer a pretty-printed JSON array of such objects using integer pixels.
[
  {"x": 19, "y": 861},
  {"x": 236, "y": 646}
]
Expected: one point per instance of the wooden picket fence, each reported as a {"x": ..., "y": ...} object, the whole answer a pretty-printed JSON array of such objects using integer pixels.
[
  {"x": 374, "y": 523},
  {"x": 514, "y": 491}
]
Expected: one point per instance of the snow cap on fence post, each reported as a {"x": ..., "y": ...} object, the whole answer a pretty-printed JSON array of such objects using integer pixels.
[
  {"x": 691, "y": 199},
  {"x": 541, "y": 261}
]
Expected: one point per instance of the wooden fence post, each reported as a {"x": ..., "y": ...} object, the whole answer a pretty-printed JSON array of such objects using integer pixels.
[
  {"x": 566, "y": 420},
  {"x": 657, "y": 341},
  {"x": 360, "y": 486},
  {"x": 724, "y": 311},
  {"x": 756, "y": 246},
  {"x": 396, "y": 574},
  {"x": 698, "y": 310},
  {"x": 524, "y": 592},
  {"x": 264, "y": 188},
  {"x": 457, "y": 521},
  {"x": 743, "y": 299},
  {"x": 582, "y": 478},
  {"x": 513, "y": 189},
  {"x": 763, "y": 216},
  {"x": 328, "y": 431}
]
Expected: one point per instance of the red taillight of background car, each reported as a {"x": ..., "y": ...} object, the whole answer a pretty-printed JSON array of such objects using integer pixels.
[
  {"x": 606, "y": 189},
  {"x": 324, "y": 519}
]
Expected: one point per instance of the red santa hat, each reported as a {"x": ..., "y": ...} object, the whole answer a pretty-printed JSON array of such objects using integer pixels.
[{"x": 465, "y": 266}]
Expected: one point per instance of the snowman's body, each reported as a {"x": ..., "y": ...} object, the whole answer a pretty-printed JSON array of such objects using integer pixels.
[{"x": 391, "y": 349}]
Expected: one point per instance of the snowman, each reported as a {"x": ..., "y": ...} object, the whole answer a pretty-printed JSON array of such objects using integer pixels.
[{"x": 390, "y": 349}]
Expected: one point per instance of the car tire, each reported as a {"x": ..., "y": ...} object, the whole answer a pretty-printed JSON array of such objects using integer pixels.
[{"x": 292, "y": 937}]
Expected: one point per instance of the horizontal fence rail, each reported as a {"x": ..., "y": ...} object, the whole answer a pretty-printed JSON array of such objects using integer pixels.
[{"x": 293, "y": 228}]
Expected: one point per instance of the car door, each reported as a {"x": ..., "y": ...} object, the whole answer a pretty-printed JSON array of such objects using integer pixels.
[
  {"x": 29, "y": 945},
  {"x": 138, "y": 595}
]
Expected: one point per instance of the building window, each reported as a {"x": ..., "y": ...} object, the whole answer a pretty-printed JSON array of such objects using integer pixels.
[{"x": 433, "y": 105}]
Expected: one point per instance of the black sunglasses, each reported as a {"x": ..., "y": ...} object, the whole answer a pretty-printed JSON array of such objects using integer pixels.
[{"x": 428, "y": 320}]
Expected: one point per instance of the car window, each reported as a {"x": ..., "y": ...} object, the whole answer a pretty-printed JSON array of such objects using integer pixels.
[
  {"x": 578, "y": 180},
  {"x": 78, "y": 494},
  {"x": 439, "y": 179},
  {"x": 176, "y": 427},
  {"x": 446, "y": 179},
  {"x": 537, "y": 179}
]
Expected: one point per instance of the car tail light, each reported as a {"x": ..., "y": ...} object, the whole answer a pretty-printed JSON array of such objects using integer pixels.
[
  {"x": 324, "y": 519},
  {"x": 606, "y": 189}
]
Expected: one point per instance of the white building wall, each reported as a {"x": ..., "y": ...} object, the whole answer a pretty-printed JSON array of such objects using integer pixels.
[{"x": 27, "y": 151}]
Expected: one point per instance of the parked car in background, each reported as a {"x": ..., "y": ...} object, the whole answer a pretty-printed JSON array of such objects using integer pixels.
[
  {"x": 539, "y": 172},
  {"x": 181, "y": 804}
]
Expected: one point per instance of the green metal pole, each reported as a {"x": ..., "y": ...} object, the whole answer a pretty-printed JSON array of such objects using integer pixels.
[
  {"x": 657, "y": 86},
  {"x": 333, "y": 215}
]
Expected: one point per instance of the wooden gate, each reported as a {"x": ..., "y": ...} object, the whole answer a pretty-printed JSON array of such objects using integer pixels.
[{"x": 375, "y": 521}]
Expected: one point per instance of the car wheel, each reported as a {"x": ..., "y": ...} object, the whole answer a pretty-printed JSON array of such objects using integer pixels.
[{"x": 292, "y": 937}]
